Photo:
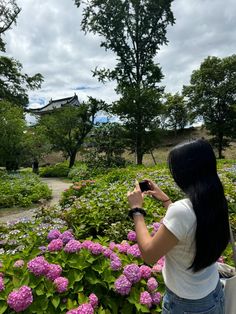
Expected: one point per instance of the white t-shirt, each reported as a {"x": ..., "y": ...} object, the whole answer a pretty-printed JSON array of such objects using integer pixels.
[{"x": 180, "y": 219}]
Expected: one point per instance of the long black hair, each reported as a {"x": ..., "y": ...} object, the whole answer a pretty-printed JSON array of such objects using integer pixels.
[{"x": 193, "y": 167}]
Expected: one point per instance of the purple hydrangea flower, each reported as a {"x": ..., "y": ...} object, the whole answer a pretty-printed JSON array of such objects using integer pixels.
[
  {"x": 152, "y": 284},
  {"x": 106, "y": 252},
  {"x": 131, "y": 236},
  {"x": 55, "y": 245},
  {"x": 66, "y": 237},
  {"x": 43, "y": 249},
  {"x": 116, "y": 264},
  {"x": 53, "y": 234},
  {"x": 156, "y": 297},
  {"x": 96, "y": 248},
  {"x": 156, "y": 226},
  {"x": 113, "y": 256},
  {"x": 19, "y": 300},
  {"x": 61, "y": 284},
  {"x": 19, "y": 263},
  {"x": 2, "y": 287},
  {"x": 54, "y": 272},
  {"x": 38, "y": 266},
  {"x": 146, "y": 271},
  {"x": 86, "y": 244},
  {"x": 145, "y": 299},
  {"x": 123, "y": 285},
  {"x": 134, "y": 250},
  {"x": 73, "y": 246},
  {"x": 93, "y": 300},
  {"x": 132, "y": 272}
]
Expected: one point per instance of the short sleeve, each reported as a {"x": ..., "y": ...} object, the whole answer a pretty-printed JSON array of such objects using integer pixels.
[{"x": 179, "y": 219}]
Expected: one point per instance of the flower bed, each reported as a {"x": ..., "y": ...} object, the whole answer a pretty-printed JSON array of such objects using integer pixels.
[{"x": 21, "y": 189}]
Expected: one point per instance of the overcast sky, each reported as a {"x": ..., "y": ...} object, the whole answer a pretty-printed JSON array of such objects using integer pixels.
[{"x": 47, "y": 39}]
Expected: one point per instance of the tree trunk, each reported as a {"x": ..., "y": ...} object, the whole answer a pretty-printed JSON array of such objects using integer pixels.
[
  {"x": 153, "y": 158},
  {"x": 220, "y": 146},
  {"x": 72, "y": 159},
  {"x": 138, "y": 150},
  {"x": 35, "y": 167}
]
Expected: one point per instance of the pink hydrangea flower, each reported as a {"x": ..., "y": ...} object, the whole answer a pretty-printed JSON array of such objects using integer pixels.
[
  {"x": 19, "y": 300},
  {"x": 73, "y": 246},
  {"x": 116, "y": 264},
  {"x": 159, "y": 265},
  {"x": 53, "y": 234},
  {"x": 38, "y": 266},
  {"x": 131, "y": 236},
  {"x": 123, "y": 247},
  {"x": 134, "y": 250},
  {"x": 74, "y": 311},
  {"x": 156, "y": 297},
  {"x": 112, "y": 245},
  {"x": 55, "y": 245},
  {"x": 2, "y": 287},
  {"x": 132, "y": 272},
  {"x": 61, "y": 284},
  {"x": 145, "y": 271},
  {"x": 85, "y": 308},
  {"x": 1, "y": 275},
  {"x": 54, "y": 272},
  {"x": 96, "y": 248},
  {"x": 93, "y": 300},
  {"x": 152, "y": 284},
  {"x": 220, "y": 259},
  {"x": 86, "y": 244},
  {"x": 123, "y": 285},
  {"x": 66, "y": 236},
  {"x": 19, "y": 263},
  {"x": 145, "y": 299},
  {"x": 156, "y": 226}
]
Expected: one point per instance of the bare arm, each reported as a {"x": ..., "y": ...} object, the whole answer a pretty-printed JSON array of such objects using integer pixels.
[{"x": 153, "y": 248}]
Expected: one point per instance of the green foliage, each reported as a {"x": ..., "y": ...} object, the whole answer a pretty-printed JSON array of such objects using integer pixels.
[
  {"x": 60, "y": 170},
  {"x": 12, "y": 128},
  {"x": 212, "y": 97},
  {"x": 175, "y": 112},
  {"x": 135, "y": 33},
  {"x": 101, "y": 208},
  {"x": 21, "y": 189}
]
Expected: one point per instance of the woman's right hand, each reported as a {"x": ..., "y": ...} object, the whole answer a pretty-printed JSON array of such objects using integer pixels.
[{"x": 156, "y": 192}]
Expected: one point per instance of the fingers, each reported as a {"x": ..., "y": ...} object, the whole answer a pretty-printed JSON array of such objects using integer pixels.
[{"x": 137, "y": 187}]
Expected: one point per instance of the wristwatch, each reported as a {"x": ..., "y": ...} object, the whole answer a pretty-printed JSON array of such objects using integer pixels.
[{"x": 136, "y": 211}]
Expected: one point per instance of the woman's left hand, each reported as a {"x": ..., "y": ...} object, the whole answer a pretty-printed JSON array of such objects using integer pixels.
[{"x": 135, "y": 198}]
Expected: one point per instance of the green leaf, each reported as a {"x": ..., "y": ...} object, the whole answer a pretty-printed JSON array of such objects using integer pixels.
[
  {"x": 55, "y": 301},
  {"x": 3, "y": 307}
]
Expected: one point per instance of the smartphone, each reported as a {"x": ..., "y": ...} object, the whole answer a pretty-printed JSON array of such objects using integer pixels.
[{"x": 144, "y": 185}]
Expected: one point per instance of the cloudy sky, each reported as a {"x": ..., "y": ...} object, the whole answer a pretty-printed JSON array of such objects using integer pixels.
[{"x": 47, "y": 39}]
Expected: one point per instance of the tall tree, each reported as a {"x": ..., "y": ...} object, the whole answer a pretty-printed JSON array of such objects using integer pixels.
[
  {"x": 175, "y": 112},
  {"x": 134, "y": 30},
  {"x": 12, "y": 128},
  {"x": 212, "y": 95},
  {"x": 9, "y": 11},
  {"x": 67, "y": 127}
]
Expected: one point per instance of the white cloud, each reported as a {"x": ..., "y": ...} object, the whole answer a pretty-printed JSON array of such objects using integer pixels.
[{"x": 48, "y": 39}]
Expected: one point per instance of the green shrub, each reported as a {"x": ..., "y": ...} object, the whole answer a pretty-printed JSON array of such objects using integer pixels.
[
  {"x": 21, "y": 189},
  {"x": 59, "y": 170}
]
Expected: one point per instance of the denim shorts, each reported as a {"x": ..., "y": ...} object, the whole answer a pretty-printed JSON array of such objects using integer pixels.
[{"x": 213, "y": 303}]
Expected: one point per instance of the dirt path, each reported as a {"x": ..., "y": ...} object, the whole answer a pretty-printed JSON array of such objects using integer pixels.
[{"x": 57, "y": 185}]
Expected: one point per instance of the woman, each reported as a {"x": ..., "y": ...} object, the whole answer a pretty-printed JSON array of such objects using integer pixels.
[{"x": 194, "y": 232}]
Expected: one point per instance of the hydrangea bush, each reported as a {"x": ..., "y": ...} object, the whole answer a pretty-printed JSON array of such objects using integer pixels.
[{"x": 81, "y": 277}]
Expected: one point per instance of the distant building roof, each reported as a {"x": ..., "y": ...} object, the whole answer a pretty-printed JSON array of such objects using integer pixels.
[{"x": 56, "y": 104}]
